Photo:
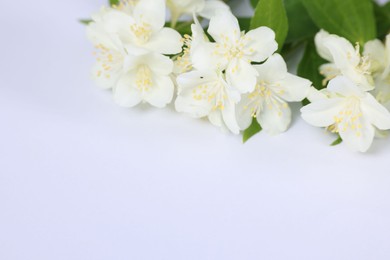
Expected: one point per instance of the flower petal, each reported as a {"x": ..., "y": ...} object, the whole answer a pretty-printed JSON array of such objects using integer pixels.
[
  {"x": 260, "y": 44},
  {"x": 186, "y": 101},
  {"x": 275, "y": 117},
  {"x": 345, "y": 87},
  {"x": 358, "y": 140},
  {"x": 321, "y": 113},
  {"x": 161, "y": 93},
  {"x": 322, "y": 49},
  {"x": 229, "y": 117},
  {"x": 106, "y": 79},
  {"x": 272, "y": 70},
  {"x": 375, "y": 113},
  {"x": 203, "y": 57},
  {"x": 224, "y": 26},
  {"x": 294, "y": 88},
  {"x": 165, "y": 41},
  {"x": 125, "y": 93},
  {"x": 151, "y": 12},
  {"x": 241, "y": 75},
  {"x": 211, "y": 7},
  {"x": 244, "y": 111}
]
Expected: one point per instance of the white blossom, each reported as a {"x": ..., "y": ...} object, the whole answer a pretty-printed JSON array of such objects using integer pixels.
[
  {"x": 142, "y": 31},
  {"x": 349, "y": 111},
  {"x": 268, "y": 102},
  {"x": 379, "y": 56},
  {"x": 344, "y": 59},
  {"x": 233, "y": 50},
  {"x": 147, "y": 79},
  {"x": 205, "y": 93}
]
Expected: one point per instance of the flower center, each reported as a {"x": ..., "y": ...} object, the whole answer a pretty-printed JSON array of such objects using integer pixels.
[
  {"x": 212, "y": 94},
  {"x": 144, "y": 79},
  {"x": 266, "y": 93},
  {"x": 110, "y": 60},
  {"x": 349, "y": 118},
  {"x": 142, "y": 32}
]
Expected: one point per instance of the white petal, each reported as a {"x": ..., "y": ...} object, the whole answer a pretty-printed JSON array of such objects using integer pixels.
[
  {"x": 151, "y": 12},
  {"x": 126, "y": 94},
  {"x": 203, "y": 57},
  {"x": 272, "y": 70},
  {"x": 161, "y": 93},
  {"x": 241, "y": 75},
  {"x": 361, "y": 140},
  {"x": 224, "y": 26},
  {"x": 211, "y": 7},
  {"x": 376, "y": 52},
  {"x": 260, "y": 44},
  {"x": 343, "y": 53},
  {"x": 315, "y": 94},
  {"x": 215, "y": 118},
  {"x": 375, "y": 113},
  {"x": 244, "y": 111},
  {"x": 165, "y": 41},
  {"x": 321, "y": 113},
  {"x": 105, "y": 79},
  {"x": 294, "y": 88},
  {"x": 159, "y": 64},
  {"x": 322, "y": 49},
  {"x": 344, "y": 86},
  {"x": 187, "y": 83},
  {"x": 229, "y": 117},
  {"x": 275, "y": 117}
]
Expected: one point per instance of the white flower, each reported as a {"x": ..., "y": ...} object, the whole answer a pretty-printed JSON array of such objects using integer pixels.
[
  {"x": 183, "y": 62},
  {"x": 110, "y": 53},
  {"x": 206, "y": 93},
  {"x": 344, "y": 60},
  {"x": 267, "y": 103},
  {"x": 234, "y": 51},
  {"x": 147, "y": 79},
  {"x": 379, "y": 56},
  {"x": 349, "y": 111},
  {"x": 204, "y": 8},
  {"x": 143, "y": 30}
]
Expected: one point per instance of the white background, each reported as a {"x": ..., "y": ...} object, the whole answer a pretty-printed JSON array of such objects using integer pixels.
[{"x": 81, "y": 178}]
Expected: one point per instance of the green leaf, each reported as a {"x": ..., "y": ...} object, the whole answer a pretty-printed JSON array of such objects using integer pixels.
[
  {"x": 310, "y": 64},
  {"x": 254, "y": 3},
  {"x": 251, "y": 131},
  {"x": 382, "y": 14},
  {"x": 85, "y": 21},
  {"x": 244, "y": 23},
  {"x": 271, "y": 13},
  {"x": 182, "y": 27},
  {"x": 300, "y": 25},
  {"x": 337, "y": 141},
  {"x": 114, "y": 2},
  {"x": 352, "y": 19}
]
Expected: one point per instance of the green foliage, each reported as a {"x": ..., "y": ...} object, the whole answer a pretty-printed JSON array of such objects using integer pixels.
[
  {"x": 254, "y": 3},
  {"x": 352, "y": 19},
  {"x": 382, "y": 14},
  {"x": 245, "y": 23},
  {"x": 300, "y": 25},
  {"x": 253, "y": 129},
  {"x": 114, "y": 2},
  {"x": 271, "y": 13},
  {"x": 337, "y": 141},
  {"x": 309, "y": 65},
  {"x": 182, "y": 27},
  {"x": 85, "y": 21}
]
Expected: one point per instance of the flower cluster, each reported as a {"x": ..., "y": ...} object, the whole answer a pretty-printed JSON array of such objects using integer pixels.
[
  {"x": 230, "y": 78},
  {"x": 236, "y": 78},
  {"x": 352, "y": 104}
]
